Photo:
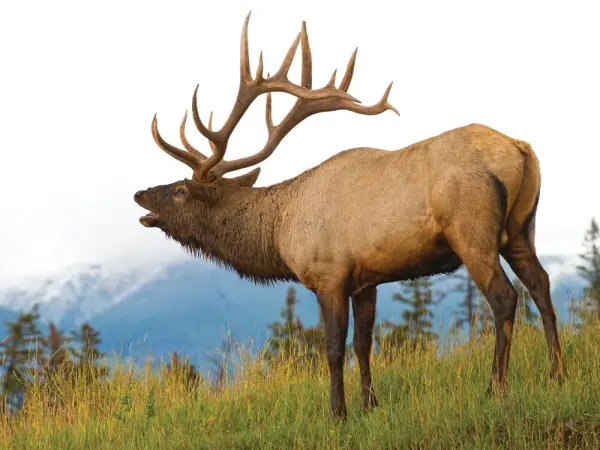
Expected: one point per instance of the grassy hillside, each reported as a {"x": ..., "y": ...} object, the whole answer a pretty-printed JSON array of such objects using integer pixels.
[{"x": 426, "y": 401}]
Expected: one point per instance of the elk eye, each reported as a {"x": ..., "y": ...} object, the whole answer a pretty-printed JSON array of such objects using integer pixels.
[{"x": 180, "y": 192}]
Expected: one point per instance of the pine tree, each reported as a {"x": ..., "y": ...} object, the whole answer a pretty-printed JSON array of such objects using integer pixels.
[
  {"x": 88, "y": 355},
  {"x": 418, "y": 296},
  {"x": 183, "y": 372},
  {"x": 466, "y": 315},
  {"x": 525, "y": 307},
  {"x": 54, "y": 355},
  {"x": 55, "y": 362},
  {"x": 416, "y": 327},
  {"x": 20, "y": 351},
  {"x": 286, "y": 332},
  {"x": 290, "y": 340},
  {"x": 89, "y": 339},
  {"x": 389, "y": 336},
  {"x": 220, "y": 360},
  {"x": 589, "y": 270}
]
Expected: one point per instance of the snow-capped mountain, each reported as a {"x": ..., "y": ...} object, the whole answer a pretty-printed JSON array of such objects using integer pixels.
[
  {"x": 78, "y": 293},
  {"x": 189, "y": 306}
]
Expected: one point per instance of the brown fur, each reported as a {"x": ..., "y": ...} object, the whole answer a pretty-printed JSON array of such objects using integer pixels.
[{"x": 365, "y": 217}]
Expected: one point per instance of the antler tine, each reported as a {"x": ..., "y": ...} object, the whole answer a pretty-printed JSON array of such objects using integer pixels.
[
  {"x": 384, "y": 100},
  {"x": 190, "y": 159},
  {"x": 335, "y": 104},
  {"x": 186, "y": 143},
  {"x": 331, "y": 81},
  {"x": 259, "y": 70},
  {"x": 245, "y": 75},
  {"x": 339, "y": 104},
  {"x": 306, "y": 77},
  {"x": 345, "y": 84},
  {"x": 210, "y": 118},
  {"x": 269, "y": 115},
  {"x": 282, "y": 73},
  {"x": 207, "y": 133}
]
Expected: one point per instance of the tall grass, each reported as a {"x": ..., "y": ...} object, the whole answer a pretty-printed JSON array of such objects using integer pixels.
[{"x": 425, "y": 401}]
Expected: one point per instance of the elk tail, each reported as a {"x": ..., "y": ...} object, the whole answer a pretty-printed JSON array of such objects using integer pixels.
[{"x": 521, "y": 219}]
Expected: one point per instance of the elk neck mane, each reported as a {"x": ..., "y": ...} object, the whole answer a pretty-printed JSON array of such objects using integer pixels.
[{"x": 239, "y": 234}]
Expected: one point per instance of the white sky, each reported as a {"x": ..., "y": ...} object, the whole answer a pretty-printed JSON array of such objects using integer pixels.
[{"x": 80, "y": 82}]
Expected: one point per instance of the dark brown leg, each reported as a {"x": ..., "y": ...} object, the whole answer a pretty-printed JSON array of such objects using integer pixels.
[
  {"x": 494, "y": 368},
  {"x": 335, "y": 313},
  {"x": 477, "y": 247},
  {"x": 363, "y": 308},
  {"x": 525, "y": 264},
  {"x": 503, "y": 300}
]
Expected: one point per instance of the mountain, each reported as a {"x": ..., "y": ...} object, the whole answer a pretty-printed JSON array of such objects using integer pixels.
[
  {"x": 191, "y": 305},
  {"x": 6, "y": 314},
  {"x": 76, "y": 294}
]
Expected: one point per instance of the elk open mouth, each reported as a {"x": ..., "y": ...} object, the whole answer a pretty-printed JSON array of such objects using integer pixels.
[{"x": 149, "y": 220}]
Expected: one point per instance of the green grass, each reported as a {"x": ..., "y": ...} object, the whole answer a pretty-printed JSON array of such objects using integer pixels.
[{"x": 425, "y": 401}]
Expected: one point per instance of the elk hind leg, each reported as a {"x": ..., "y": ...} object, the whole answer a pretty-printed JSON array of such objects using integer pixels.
[
  {"x": 483, "y": 265},
  {"x": 524, "y": 262},
  {"x": 476, "y": 242}
]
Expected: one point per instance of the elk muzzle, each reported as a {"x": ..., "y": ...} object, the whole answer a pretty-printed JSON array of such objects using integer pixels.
[{"x": 151, "y": 219}]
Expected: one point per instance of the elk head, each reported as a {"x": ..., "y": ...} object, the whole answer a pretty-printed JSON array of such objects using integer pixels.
[{"x": 179, "y": 208}]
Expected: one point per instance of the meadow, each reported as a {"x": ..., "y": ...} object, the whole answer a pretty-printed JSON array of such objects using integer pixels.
[{"x": 427, "y": 399}]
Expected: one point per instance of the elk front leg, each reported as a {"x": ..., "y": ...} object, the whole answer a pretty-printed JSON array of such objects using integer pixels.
[
  {"x": 363, "y": 309},
  {"x": 335, "y": 313}
]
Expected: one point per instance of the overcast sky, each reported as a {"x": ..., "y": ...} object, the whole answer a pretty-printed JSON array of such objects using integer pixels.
[{"x": 80, "y": 82}]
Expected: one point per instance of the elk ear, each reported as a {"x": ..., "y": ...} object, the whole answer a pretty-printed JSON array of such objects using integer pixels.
[
  {"x": 248, "y": 179},
  {"x": 202, "y": 192}
]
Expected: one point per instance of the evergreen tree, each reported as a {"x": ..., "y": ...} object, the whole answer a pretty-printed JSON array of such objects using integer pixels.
[
  {"x": 466, "y": 316},
  {"x": 87, "y": 354},
  {"x": 417, "y": 294},
  {"x": 55, "y": 362},
  {"x": 291, "y": 323},
  {"x": 525, "y": 307},
  {"x": 388, "y": 336},
  {"x": 20, "y": 351},
  {"x": 220, "y": 360},
  {"x": 290, "y": 340},
  {"x": 417, "y": 326},
  {"x": 183, "y": 372},
  {"x": 287, "y": 332},
  {"x": 589, "y": 270},
  {"x": 482, "y": 316},
  {"x": 55, "y": 352}
]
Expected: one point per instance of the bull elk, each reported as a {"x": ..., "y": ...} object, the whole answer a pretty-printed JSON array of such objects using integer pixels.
[{"x": 362, "y": 217}]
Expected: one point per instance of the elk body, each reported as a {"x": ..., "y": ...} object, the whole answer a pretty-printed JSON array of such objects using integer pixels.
[{"x": 363, "y": 217}]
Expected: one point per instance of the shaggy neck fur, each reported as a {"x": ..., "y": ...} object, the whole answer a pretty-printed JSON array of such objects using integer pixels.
[{"x": 240, "y": 235}]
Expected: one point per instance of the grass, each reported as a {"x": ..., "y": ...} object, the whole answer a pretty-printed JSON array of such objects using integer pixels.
[{"x": 426, "y": 401}]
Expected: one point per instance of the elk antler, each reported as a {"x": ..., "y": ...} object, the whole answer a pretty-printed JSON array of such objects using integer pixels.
[{"x": 309, "y": 102}]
